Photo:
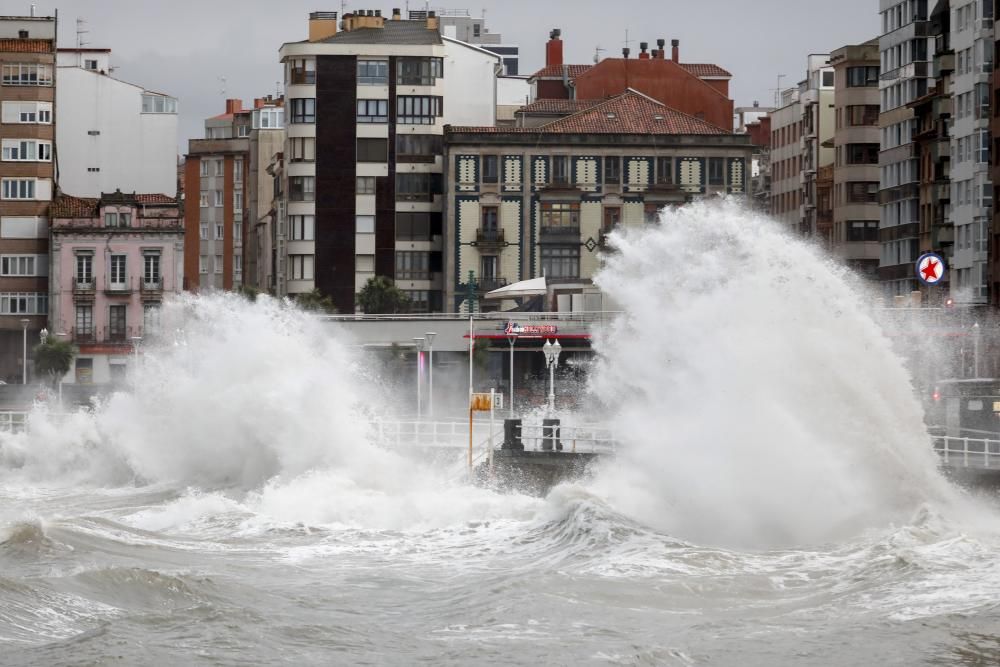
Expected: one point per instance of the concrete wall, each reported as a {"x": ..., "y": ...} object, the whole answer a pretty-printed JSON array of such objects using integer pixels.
[{"x": 470, "y": 84}]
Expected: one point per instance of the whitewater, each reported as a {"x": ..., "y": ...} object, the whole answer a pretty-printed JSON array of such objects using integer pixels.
[{"x": 774, "y": 500}]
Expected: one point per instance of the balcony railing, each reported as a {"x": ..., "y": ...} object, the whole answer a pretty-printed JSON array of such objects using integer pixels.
[
  {"x": 153, "y": 286},
  {"x": 107, "y": 334},
  {"x": 561, "y": 231},
  {"x": 489, "y": 236},
  {"x": 490, "y": 284},
  {"x": 84, "y": 288}
]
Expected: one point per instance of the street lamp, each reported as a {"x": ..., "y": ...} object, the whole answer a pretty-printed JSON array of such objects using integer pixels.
[
  {"x": 551, "y": 360},
  {"x": 975, "y": 349},
  {"x": 418, "y": 343},
  {"x": 430, "y": 372},
  {"x": 24, "y": 353},
  {"x": 511, "y": 338},
  {"x": 61, "y": 336}
]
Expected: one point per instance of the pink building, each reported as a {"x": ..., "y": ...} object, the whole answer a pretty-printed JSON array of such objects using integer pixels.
[{"x": 113, "y": 260}]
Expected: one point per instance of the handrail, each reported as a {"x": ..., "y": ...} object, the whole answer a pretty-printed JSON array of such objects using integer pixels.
[{"x": 980, "y": 453}]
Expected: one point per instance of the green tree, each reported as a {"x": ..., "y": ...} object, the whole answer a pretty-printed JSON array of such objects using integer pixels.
[
  {"x": 316, "y": 302},
  {"x": 380, "y": 295},
  {"x": 248, "y": 293},
  {"x": 53, "y": 359}
]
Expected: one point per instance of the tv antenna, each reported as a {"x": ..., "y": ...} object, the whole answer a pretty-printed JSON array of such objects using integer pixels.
[
  {"x": 222, "y": 86},
  {"x": 777, "y": 92},
  {"x": 80, "y": 32},
  {"x": 597, "y": 54}
]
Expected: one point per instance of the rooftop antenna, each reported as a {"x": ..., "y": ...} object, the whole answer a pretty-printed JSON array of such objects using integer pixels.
[
  {"x": 777, "y": 92},
  {"x": 80, "y": 31},
  {"x": 222, "y": 85},
  {"x": 628, "y": 41},
  {"x": 597, "y": 54}
]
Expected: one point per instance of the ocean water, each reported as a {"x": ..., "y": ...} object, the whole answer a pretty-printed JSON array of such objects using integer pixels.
[{"x": 775, "y": 500}]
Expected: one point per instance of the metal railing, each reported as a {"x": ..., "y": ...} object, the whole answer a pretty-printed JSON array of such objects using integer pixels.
[
  {"x": 978, "y": 453},
  {"x": 584, "y": 438}
]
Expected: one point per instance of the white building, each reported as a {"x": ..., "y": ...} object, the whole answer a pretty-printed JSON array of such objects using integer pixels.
[{"x": 111, "y": 135}]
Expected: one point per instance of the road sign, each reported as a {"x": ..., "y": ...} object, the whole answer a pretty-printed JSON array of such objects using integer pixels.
[{"x": 930, "y": 269}]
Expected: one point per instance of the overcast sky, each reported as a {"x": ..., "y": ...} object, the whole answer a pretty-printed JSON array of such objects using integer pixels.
[{"x": 187, "y": 47}]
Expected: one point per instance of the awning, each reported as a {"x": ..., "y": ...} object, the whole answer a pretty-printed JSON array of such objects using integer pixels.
[{"x": 532, "y": 287}]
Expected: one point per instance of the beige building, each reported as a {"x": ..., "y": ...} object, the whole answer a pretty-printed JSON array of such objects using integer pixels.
[
  {"x": 530, "y": 202},
  {"x": 856, "y": 147}
]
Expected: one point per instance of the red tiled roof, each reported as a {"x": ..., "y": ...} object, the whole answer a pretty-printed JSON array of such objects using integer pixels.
[
  {"x": 628, "y": 113},
  {"x": 572, "y": 71},
  {"x": 26, "y": 45},
  {"x": 558, "y": 106},
  {"x": 67, "y": 206},
  {"x": 705, "y": 69},
  {"x": 155, "y": 199}
]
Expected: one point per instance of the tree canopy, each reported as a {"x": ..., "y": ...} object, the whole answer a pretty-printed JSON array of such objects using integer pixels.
[
  {"x": 53, "y": 358},
  {"x": 381, "y": 296}
]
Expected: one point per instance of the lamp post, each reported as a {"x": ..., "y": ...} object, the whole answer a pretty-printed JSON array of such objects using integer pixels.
[
  {"x": 24, "y": 353},
  {"x": 551, "y": 360},
  {"x": 61, "y": 336},
  {"x": 975, "y": 349},
  {"x": 418, "y": 344},
  {"x": 430, "y": 372},
  {"x": 511, "y": 338}
]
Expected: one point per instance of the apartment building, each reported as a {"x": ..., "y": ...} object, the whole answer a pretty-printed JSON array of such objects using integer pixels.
[
  {"x": 786, "y": 159},
  {"x": 27, "y": 133},
  {"x": 816, "y": 101},
  {"x": 266, "y": 143},
  {"x": 994, "y": 262},
  {"x": 856, "y": 146},
  {"x": 114, "y": 259},
  {"x": 530, "y": 202},
  {"x": 367, "y": 100},
  {"x": 905, "y": 76},
  {"x": 461, "y": 25}
]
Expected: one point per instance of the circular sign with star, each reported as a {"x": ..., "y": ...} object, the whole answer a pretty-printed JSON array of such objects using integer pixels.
[{"x": 930, "y": 269}]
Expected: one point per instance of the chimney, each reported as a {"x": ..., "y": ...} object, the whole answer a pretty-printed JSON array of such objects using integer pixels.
[
  {"x": 432, "y": 21},
  {"x": 625, "y": 52},
  {"x": 660, "y": 43},
  {"x": 322, "y": 25},
  {"x": 554, "y": 48},
  {"x": 396, "y": 15},
  {"x": 643, "y": 54},
  {"x": 234, "y": 105},
  {"x": 258, "y": 102},
  {"x": 675, "y": 51}
]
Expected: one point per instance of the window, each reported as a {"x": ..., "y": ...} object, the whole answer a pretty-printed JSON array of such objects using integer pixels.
[
  {"x": 85, "y": 269},
  {"x": 158, "y": 104},
  {"x": 203, "y": 231},
  {"x": 983, "y": 154},
  {"x": 151, "y": 268},
  {"x": 861, "y": 77},
  {"x": 862, "y": 114},
  {"x": 418, "y": 110},
  {"x": 560, "y": 169},
  {"x": 373, "y": 72},
  {"x": 862, "y": 154},
  {"x": 561, "y": 261},
  {"x": 18, "y": 188},
  {"x": 84, "y": 321},
  {"x": 238, "y": 232},
  {"x": 418, "y": 71},
  {"x": 27, "y": 112},
  {"x": 302, "y": 188},
  {"x": 218, "y": 263},
  {"x": 116, "y": 322},
  {"x": 862, "y": 230},
  {"x": 373, "y": 150},
  {"x": 203, "y": 264},
  {"x": 24, "y": 265},
  {"x": 560, "y": 217},
  {"x": 150, "y": 319},
  {"x": 203, "y": 199},
  {"x": 827, "y": 79},
  {"x": 302, "y": 227},
  {"x": 219, "y": 231},
  {"x": 862, "y": 192},
  {"x": 204, "y": 166},
  {"x": 650, "y": 213},
  {"x": 303, "y": 110},
  {"x": 364, "y": 263},
  {"x": 26, "y": 74},
  {"x": 413, "y": 265},
  {"x": 365, "y": 185},
  {"x": 418, "y": 147},
  {"x": 491, "y": 168},
  {"x": 237, "y": 264},
  {"x": 302, "y": 71},
  {"x": 612, "y": 218},
  {"x": 303, "y": 149},
  {"x": 268, "y": 119},
  {"x": 238, "y": 201},
  {"x": 488, "y": 265},
  {"x": 218, "y": 197},
  {"x": 243, "y": 131},
  {"x": 364, "y": 224},
  {"x": 418, "y": 187},
  {"x": 117, "y": 278},
  {"x": 414, "y": 226},
  {"x": 110, "y": 219},
  {"x": 716, "y": 171},
  {"x": 238, "y": 170},
  {"x": 490, "y": 223},
  {"x": 219, "y": 167},
  {"x": 422, "y": 301},
  {"x": 373, "y": 111},
  {"x": 612, "y": 170},
  {"x": 301, "y": 267},
  {"x": 20, "y": 150}
]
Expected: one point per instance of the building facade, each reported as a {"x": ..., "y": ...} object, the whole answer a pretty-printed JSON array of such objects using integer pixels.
[
  {"x": 816, "y": 100},
  {"x": 114, "y": 259},
  {"x": 461, "y": 25},
  {"x": 530, "y": 202},
  {"x": 111, "y": 134},
  {"x": 27, "y": 133},
  {"x": 786, "y": 159},
  {"x": 856, "y": 146},
  {"x": 367, "y": 101}
]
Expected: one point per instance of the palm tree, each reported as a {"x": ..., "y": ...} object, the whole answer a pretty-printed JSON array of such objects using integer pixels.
[{"x": 53, "y": 358}]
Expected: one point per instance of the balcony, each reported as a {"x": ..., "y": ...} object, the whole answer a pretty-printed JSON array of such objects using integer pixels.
[
  {"x": 83, "y": 290},
  {"x": 560, "y": 232},
  {"x": 118, "y": 288},
  {"x": 489, "y": 284},
  {"x": 107, "y": 335},
  {"x": 490, "y": 237},
  {"x": 82, "y": 336},
  {"x": 151, "y": 288}
]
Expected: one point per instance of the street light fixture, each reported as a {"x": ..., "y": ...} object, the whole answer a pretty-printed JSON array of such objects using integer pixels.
[
  {"x": 975, "y": 349},
  {"x": 61, "y": 336},
  {"x": 430, "y": 372},
  {"x": 418, "y": 343},
  {"x": 511, "y": 338},
  {"x": 24, "y": 353},
  {"x": 551, "y": 360}
]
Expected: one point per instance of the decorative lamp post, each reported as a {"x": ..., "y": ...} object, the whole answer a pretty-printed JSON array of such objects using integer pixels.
[
  {"x": 511, "y": 338},
  {"x": 430, "y": 372},
  {"x": 24, "y": 353},
  {"x": 61, "y": 336},
  {"x": 551, "y": 360},
  {"x": 975, "y": 349},
  {"x": 418, "y": 344}
]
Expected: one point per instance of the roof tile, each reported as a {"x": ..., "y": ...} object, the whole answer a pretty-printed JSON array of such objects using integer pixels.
[
  {"x": 551, "y": 71},
  {"x": 67, "y": 206},
  {"x": 705, "y": 69},
  {"x": 558, "y": 106}
]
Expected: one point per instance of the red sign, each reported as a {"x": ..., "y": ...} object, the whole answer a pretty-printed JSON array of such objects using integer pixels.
[{"x": 516, "y": 329}]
